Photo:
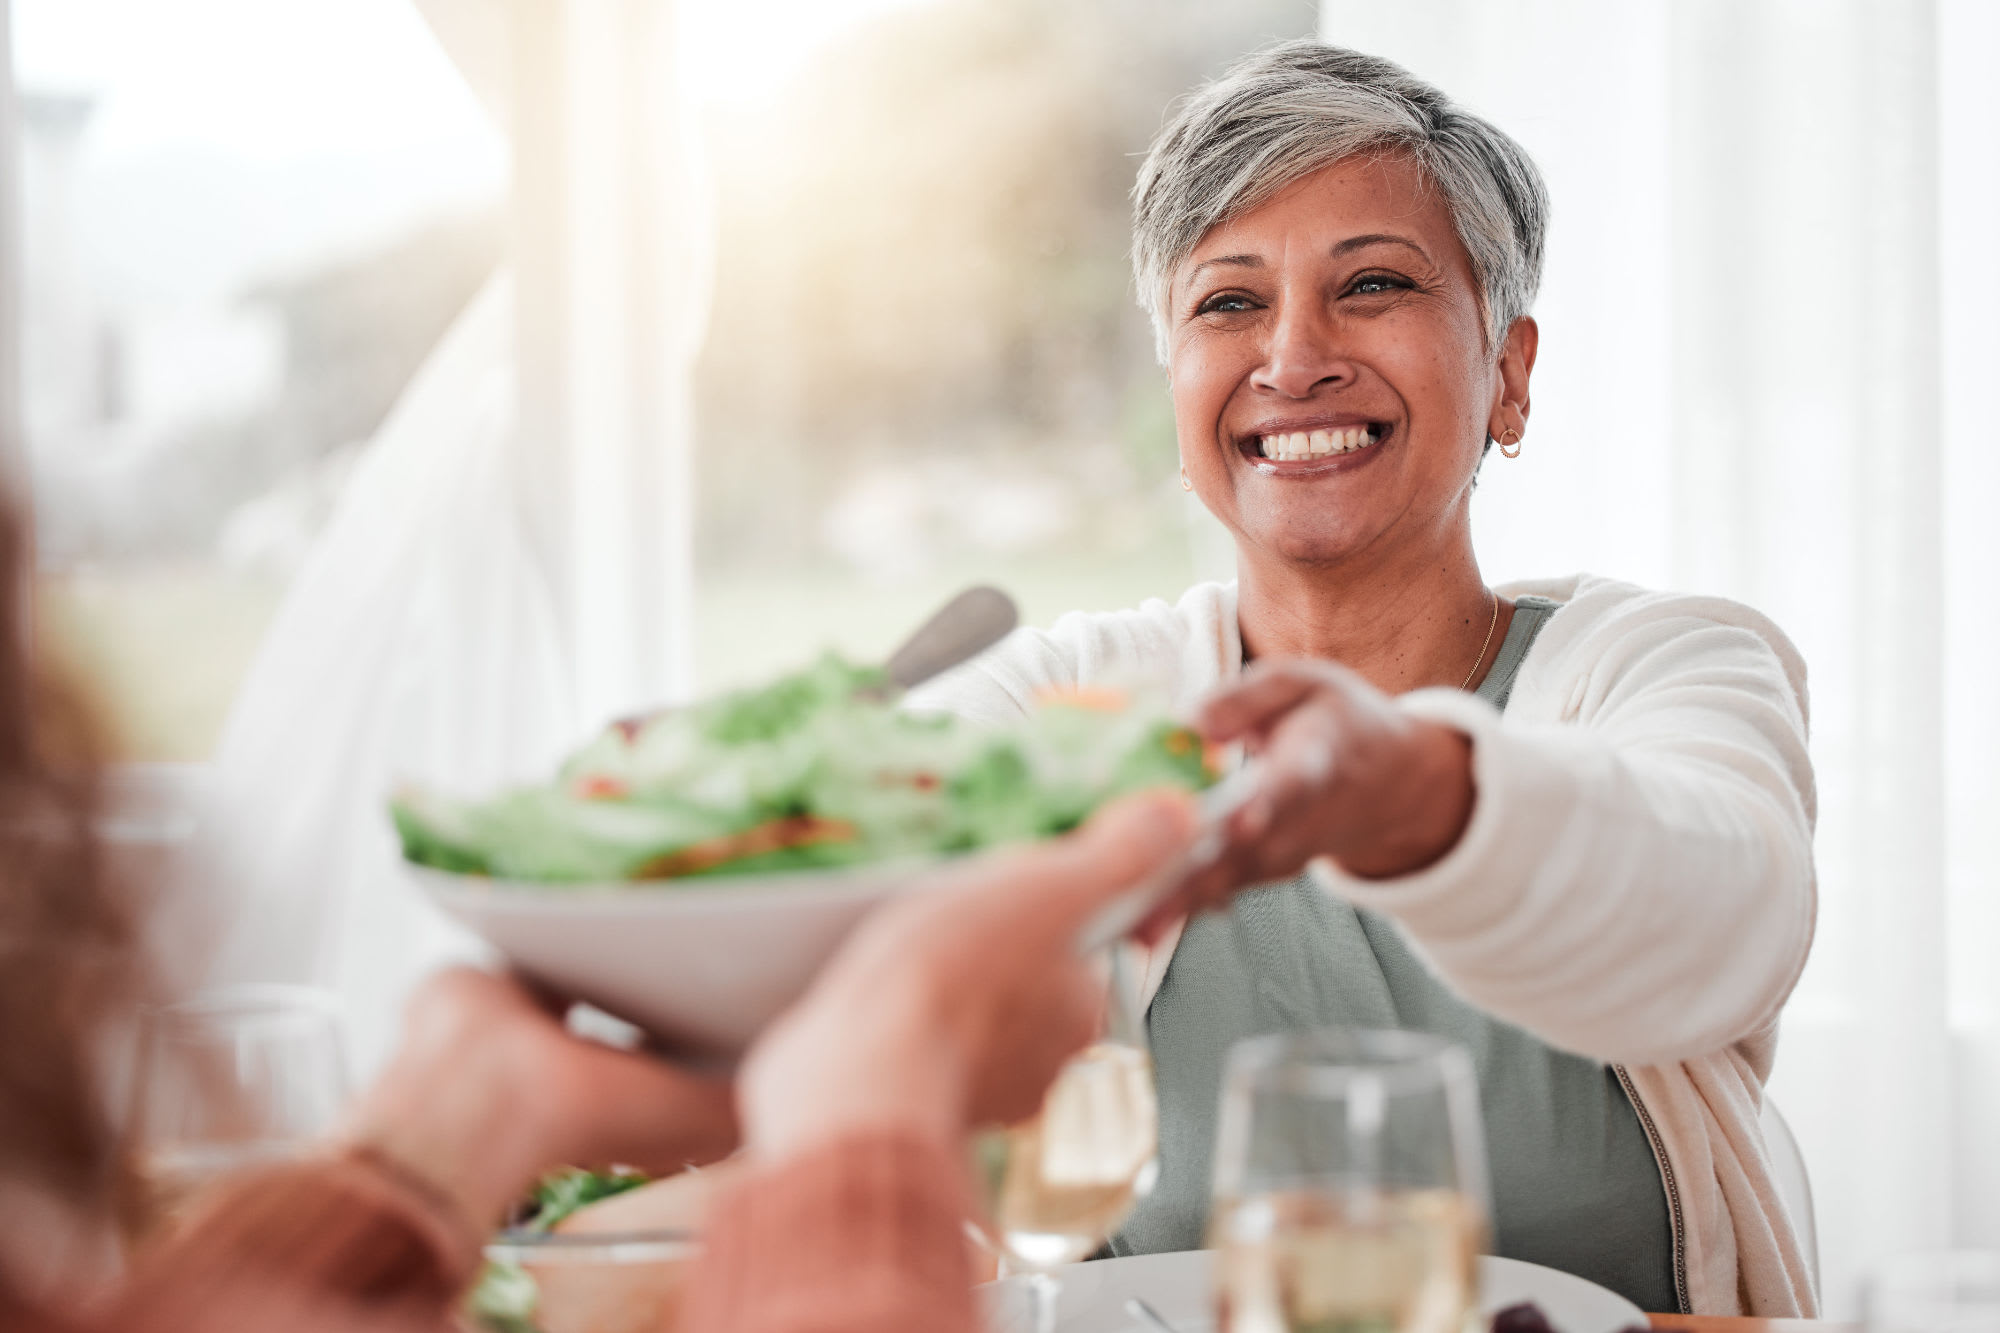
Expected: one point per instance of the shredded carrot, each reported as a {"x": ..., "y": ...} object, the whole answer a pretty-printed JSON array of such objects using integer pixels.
[
  {"x": 774, "y": 835},
  {"x": 1097, "y": 697}
]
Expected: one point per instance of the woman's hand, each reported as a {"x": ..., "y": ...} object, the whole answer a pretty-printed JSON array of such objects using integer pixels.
[
  {"x": 1344, "y": 773},
  {"x": 489, "y": 1090},
  {"x": 956, "y": 1006}
]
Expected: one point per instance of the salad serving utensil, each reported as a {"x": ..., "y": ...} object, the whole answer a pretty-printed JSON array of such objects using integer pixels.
[
  {"x": 962, "y": 628},
  {"x": 956, "y": 632}
]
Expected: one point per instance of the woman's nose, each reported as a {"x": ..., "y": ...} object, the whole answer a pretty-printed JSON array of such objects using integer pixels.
[{"x": 1302, "y": 354}]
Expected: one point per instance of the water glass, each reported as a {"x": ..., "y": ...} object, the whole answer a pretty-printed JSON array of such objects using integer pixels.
[
  {"x": 1350, "y": 1186},
  {"x": 232, "y": 1078}
]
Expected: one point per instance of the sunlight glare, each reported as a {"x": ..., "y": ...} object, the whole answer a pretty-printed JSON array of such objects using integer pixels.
[{"x": 740, "y": 53}]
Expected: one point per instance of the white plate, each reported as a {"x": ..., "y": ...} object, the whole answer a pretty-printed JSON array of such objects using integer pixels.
[
  {"x": 703, "y": 964},
  {"x": 1177, "y": 1285}
]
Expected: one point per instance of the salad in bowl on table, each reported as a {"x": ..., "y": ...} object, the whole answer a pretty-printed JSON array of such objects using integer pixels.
[{"x": 819, "y": 770}]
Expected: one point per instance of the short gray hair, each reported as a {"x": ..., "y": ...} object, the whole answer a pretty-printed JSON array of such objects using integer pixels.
[{"x": 1284, "y": 112}]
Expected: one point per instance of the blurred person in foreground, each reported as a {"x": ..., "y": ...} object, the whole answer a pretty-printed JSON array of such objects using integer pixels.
[
  {"x": 1567, "y": 823},
  {"x": 948, "y": 1011}
]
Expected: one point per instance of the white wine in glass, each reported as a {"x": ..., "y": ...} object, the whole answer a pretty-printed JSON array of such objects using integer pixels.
[
  {"x": 1308, "y": 1262},
  {"x": 1350, "y": 1186},
  {"x": 1059, "y": 1185}
]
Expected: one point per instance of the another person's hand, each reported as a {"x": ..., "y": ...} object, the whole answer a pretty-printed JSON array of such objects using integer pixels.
[
  {"x": 956, "y": 1006},
  {"x": 1344, "y": 773},
  {"x": 489, "y": 1090}
]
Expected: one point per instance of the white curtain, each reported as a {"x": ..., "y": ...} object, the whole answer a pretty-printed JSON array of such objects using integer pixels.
[
  {"x": 420, "y": 642},
  {"x": 1767, "y": 346},
  {"x": 511, "y": 563}
]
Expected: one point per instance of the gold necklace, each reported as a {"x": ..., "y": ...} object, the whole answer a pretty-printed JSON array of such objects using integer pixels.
[{"x": 1484, "y": 644}]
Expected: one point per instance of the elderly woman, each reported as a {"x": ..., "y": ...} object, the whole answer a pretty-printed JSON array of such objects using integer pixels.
[{"x": 1566, "y": 823}]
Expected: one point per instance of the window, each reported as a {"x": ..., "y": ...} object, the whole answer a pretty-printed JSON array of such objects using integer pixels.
[
  {"x": 248, "y": 222},
  {"x": 924, "y": 364},
  {"x": 245, "y": 224}
]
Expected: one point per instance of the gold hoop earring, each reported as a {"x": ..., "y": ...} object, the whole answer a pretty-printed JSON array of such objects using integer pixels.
[
  {"x": 1515, "y": 452},
  {"x": 1186, "y": 485}
]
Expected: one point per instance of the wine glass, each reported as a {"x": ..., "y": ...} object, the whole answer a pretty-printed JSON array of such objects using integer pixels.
[
  {"x": 1951, "y": 1291},
  {"x": 1060, "y": 1184},
  {"x": 1350, "y": 1185},
  {"x": 231, "y": 1078}
]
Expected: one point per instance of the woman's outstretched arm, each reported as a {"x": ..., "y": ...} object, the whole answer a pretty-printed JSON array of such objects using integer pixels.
[{"x": 1622, "y": 865}]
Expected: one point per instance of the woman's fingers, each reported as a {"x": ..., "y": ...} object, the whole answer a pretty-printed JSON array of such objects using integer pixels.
[
  {"x": 1253, "y": 704},
  {"x": 1277, "y": 831},
  {"x": 1267, "y": 691}
]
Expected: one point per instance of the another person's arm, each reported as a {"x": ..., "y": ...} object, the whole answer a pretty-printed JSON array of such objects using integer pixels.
[
  {"x": 951, "y": 1010},
  {"x": 1634, "y": 884},
  {"x": 383, "y": 1230},
  {"x": 334, "y": 1245}
]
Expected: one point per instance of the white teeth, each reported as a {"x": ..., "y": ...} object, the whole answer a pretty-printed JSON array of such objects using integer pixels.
[{"x": 1290, "y": 446}]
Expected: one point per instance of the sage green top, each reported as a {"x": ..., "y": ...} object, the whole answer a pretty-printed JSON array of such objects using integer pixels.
[{"x": 1575, "y": 1182}]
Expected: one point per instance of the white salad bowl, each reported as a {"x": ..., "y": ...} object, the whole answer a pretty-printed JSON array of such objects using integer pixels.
[{"x": 702, "y": 964}]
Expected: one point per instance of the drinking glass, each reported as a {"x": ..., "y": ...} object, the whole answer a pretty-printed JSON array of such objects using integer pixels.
[
  {"x": 1060, "y": 1184},
  {"x": 1350, "y": 1185},
  {"x": 232, "y": 1078},
  {"x": 1952, "y": 1291}
]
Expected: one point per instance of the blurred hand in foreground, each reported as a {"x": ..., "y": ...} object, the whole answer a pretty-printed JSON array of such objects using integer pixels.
[
  {"x": 1343, "y": 773},
  {"x": 955, "y": 1007},
  {"x": 489, "y": 1090}
]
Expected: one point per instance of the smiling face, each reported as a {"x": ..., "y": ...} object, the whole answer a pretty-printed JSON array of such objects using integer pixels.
[{"x": 1332, "y": 385}]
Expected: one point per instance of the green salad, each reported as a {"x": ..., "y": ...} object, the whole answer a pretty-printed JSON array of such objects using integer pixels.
[
  {"x": 504, "y": 1297},
  {"x": 816, "y": 770}
]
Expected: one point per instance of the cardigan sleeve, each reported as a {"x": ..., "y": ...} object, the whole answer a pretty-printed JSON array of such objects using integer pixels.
[
  {"x": 861, "y": 1235},
  {"x": 1636, "y": 882}
]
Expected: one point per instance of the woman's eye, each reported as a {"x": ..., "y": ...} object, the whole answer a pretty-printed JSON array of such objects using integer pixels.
[
  {"x": 1370, "y": 284},
  {"x": 1225, "y": 303}
]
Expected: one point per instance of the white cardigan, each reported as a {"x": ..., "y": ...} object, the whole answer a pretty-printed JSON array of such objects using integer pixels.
[{"x": 1635, "y": 885}]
